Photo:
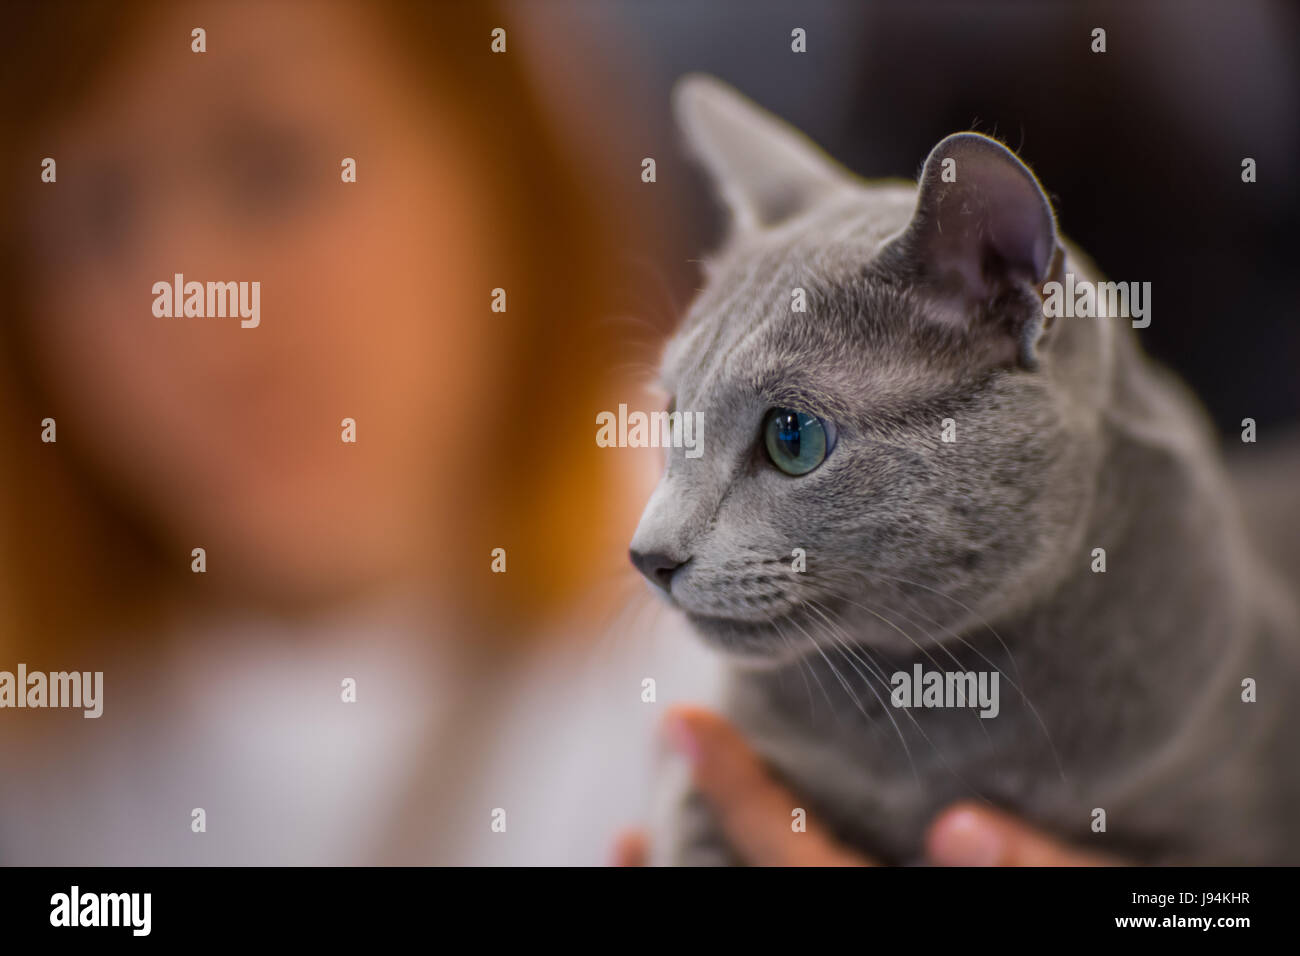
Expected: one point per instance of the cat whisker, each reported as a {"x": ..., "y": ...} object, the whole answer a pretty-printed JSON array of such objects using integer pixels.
[
  {"x": 877, "y": 671},
  {"x": 914, "y": 642},
  {"x": 799, "y": 660},
  {"x": 969, "y": 610},
  {"x": 916, "y": 723},
  {"x": 858, "y": 703},
  {"x": 957, "y": 662},
  {"x": 820, "y": 686},
  {"x": 1014, "y": 684}
]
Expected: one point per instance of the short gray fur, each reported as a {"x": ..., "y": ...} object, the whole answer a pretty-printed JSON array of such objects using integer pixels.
[{"x": 1120, "y": 690}]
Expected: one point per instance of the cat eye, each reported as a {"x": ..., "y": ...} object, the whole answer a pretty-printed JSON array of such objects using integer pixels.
[{"x": 796, "y": 442}]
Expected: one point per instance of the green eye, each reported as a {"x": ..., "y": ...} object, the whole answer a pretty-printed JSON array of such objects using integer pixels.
[{"x": 797, "y": 443}]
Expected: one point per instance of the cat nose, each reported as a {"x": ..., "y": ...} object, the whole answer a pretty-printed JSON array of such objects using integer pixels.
[{"x": 656, "y": 566}]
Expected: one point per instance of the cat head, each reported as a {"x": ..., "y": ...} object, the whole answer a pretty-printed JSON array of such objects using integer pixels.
[{"x": 895, "y": 446}]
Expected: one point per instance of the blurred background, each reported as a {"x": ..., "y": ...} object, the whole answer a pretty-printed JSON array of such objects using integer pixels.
[
  {"x": 478, "y": 170},
  {"x": 1140, "y": 148}
]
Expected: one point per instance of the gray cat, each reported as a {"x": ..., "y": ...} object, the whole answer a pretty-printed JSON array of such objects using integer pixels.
[{"x": 949, "y": 463}]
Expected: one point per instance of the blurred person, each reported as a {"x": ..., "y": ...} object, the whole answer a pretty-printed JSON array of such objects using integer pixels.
[{"x": 326, "y": 561}]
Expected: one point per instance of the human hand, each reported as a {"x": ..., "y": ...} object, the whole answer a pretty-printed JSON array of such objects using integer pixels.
[{"x": 754, "y": 813}]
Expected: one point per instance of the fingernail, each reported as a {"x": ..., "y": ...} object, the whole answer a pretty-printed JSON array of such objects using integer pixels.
[
  {"x": 963, "y": 838},
  {"x": 682, "y": 738}
]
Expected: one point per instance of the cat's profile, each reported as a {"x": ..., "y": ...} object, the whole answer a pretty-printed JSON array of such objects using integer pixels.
[{"x": 917, "y": 468}]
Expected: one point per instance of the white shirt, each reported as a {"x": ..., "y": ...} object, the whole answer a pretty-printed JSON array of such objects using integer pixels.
[{"x": 245, "y": 720}]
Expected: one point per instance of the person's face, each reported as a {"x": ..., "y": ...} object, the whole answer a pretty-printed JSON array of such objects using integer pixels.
[{"x": 225, "y": 166}]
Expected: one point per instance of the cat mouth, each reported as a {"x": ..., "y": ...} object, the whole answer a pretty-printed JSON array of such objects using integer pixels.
[
  {"x": 783, "y": 635},
  {"x": 745, "y": 637}
]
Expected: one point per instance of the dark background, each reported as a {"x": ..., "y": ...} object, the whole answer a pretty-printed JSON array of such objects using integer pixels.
[{"x": 1140, "y": 147}]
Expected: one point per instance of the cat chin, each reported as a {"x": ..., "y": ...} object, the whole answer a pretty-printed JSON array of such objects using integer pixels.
[{"x": 755, "y": 644}]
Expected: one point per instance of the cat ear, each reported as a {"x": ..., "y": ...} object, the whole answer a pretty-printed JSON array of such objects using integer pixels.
[
  {"x": 765, "y": 170},
  {"x": 983, "y": 232}
]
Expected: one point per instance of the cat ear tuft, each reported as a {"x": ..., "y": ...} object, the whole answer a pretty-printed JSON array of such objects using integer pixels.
[{"x": 765, "y": 170}]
